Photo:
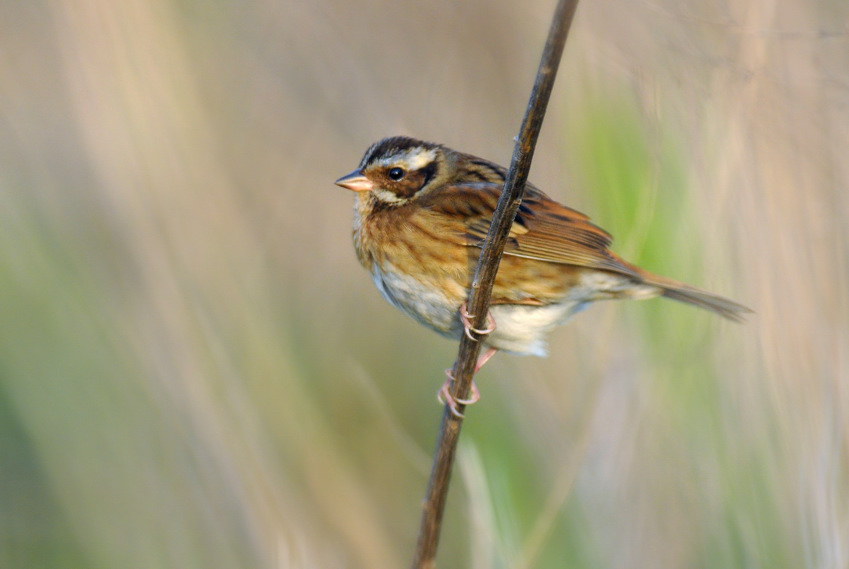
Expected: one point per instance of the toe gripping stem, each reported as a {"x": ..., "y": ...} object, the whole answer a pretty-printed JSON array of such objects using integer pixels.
[{"x": 466, "y": 319}]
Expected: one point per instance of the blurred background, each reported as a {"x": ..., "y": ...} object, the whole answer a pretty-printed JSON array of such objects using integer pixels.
[{"x": 196, "y": 372}]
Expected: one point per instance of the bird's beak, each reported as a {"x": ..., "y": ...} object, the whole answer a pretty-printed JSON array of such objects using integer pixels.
[{"x": 355, "y": 181}]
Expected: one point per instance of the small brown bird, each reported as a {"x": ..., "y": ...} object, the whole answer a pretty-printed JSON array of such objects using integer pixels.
[{"x": 420, "y": 218}]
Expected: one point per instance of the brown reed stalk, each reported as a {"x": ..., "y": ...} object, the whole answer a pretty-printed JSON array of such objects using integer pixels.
[{"x": 481, "y": 291}]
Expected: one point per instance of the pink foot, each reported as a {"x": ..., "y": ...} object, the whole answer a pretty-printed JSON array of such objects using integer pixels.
[
  {"x": 466, "y": 319},
  {"x": 444, "y": 394}
]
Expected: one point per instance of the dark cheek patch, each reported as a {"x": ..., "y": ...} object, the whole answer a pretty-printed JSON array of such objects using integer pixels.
[
  {"x": 427, "y": 173},
  {"x": 411, "y": 183},
  {"x": 407, "y": 187}
]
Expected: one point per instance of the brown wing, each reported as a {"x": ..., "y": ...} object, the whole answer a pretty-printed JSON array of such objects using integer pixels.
[{"x": 543, "y": 229}]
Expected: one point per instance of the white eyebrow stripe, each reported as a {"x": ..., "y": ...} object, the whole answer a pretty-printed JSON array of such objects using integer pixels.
[{"x": 411, "y": 160}]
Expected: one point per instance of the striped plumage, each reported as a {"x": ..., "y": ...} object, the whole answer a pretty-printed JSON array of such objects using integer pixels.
[{"x": 421, "y": 214}]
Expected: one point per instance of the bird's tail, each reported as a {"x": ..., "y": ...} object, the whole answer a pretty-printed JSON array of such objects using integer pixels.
[{"x": 701, "y": 298}]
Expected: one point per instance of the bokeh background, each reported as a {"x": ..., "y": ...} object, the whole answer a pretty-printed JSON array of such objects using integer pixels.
[{"x": 195, "y": 371}]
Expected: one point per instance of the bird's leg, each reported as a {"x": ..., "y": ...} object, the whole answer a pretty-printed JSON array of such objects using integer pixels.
[
  {"x": 485, "y": 357},
  {"x": 466, "y": 319},
  {"x": 444, "y": 394}
]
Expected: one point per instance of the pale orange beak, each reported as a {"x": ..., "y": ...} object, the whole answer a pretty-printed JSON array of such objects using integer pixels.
[{"x": 355, "y": 181}]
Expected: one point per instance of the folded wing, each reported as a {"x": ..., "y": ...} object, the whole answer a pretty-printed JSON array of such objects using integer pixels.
[{"x": 543, "y": 229}]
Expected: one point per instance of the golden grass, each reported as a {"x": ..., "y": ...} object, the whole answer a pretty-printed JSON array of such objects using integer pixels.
[{"x": 195, "y": 372}]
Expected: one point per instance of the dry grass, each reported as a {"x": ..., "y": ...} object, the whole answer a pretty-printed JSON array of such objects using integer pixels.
[{"x": 194, "y": 371}]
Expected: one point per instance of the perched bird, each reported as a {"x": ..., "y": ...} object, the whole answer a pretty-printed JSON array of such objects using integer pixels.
[{"x": 421, "y": 215}]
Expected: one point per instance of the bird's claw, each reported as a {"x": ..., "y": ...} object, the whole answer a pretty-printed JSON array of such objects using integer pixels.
[
  {"x": 444, "y": 395},
  {"x": 466, "y": 319}
]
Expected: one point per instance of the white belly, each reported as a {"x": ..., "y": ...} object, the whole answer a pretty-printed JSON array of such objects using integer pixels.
[
  {"x": 424, "y": 303},
  {"x": 524, "y": 329},
  {"x": 520, "y": 329}
]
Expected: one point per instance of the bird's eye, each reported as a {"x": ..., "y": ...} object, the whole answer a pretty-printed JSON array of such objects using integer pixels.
[{"x": 396, "y": 173}]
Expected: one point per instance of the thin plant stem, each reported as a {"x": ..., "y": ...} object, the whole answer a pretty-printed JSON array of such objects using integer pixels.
[{"x": 481, "y": 290}]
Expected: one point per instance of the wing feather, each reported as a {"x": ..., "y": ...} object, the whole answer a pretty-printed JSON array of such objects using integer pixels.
[{"x": 543, "y": 230}]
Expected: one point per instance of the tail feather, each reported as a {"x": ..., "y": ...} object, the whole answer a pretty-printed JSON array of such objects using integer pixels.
[{"x": 701, "y": 298}]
